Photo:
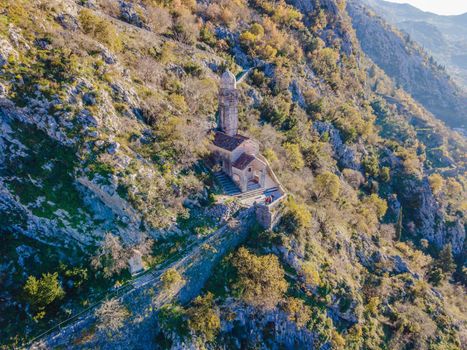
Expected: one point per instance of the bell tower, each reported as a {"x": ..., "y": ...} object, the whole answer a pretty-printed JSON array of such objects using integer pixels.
[{"x": 228, "y": 104}]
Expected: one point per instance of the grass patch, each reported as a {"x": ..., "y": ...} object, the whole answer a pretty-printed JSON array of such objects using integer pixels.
[{"x": 44, "y": 178}]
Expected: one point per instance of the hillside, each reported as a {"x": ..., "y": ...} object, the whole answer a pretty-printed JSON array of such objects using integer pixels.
[
  {"x": 410, "y": 66},
  {"x": 444, "y": 37},
  {"x": 106, "y": 112}
]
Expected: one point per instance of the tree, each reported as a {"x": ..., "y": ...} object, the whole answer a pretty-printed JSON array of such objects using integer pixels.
[
  {"x": 385, "y": 174},
  {"x": 371, "y": 166},
  {"x": 297, "y": 215},
  {"x": 436, "y": 183},
  {"x": 111, "y": 315},
  {"x": 203, "y": 317},
  {"x": 379, "y": 205},
  {"x": 353, "y": 177},
  {"x": 442, "y": 266},
  {"x": 171, "y": 278},
  {"x": 257, "y": 29},
  {"x": 399, "y": 226},
  {"x": 297, "y": 311},
  {"x": 446, "y": 260},
  {"x": 337, "y": 340},
  {"x": 100, "y": 29},
  {"x": 453, "y": 188},
  {"x": 41, "y": 292},
  {"x": 261, "y": 281},
  {"x": 111, "y": 257},
  {"x": 185, "y": 28},
  {"x": 172, "y": 318},
  {"x": 77, "y": 275},
  {"x": 325, "y": 62},
  {"x": 311, "y": 274},
  {"x": 294, "y": 156},
  {"x": 435, "y": 276},
  {"x": 327, "y": 185}
]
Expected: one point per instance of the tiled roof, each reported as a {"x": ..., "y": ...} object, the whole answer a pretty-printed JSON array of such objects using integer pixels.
[
  {"x": 243, "y": 161},
  {"x": 228, "y": 142}
]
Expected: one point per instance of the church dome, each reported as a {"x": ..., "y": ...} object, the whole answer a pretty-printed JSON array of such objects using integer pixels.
[{"x": 228, "y": 80}]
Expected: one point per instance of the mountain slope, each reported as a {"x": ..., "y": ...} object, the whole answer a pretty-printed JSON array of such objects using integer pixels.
[
  {"x": 450, "y": 32},
  {"x": 106, "y": 111},
  {"x": 410, "y": 67}
]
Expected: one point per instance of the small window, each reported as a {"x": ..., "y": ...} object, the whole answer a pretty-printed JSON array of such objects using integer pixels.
[{"x": 249, "y": 170}]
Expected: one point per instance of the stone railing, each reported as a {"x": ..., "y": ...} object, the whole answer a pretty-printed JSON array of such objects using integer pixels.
[
  {"x": 272, "y": 174},
  {"x": 267, "y": 215}
]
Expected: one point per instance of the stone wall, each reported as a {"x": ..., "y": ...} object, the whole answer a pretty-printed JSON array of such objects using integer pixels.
[
  {"x": 147, "y": 296},
  {"x": 268, "y": 215}
]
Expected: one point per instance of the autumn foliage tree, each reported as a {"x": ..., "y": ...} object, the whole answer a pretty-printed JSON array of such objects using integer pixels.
[
  {"x": 297, "y": 311},
  {"x": 111, "y": 315},
  {"x": 261, "y": 281},
  {"x": 436, "y": 183},
  {"x": 111, "y": 258},
  {"x": 327, "y": 186},
  {"x": 171, "y": 278},
  {"x": 203, "y": 317},
  {"x": 297, "y": 215}
]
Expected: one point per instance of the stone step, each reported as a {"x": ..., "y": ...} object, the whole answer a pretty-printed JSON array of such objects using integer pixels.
[
  {"x": 228, "y": 186},
  {"x": 250, "y": 194}
]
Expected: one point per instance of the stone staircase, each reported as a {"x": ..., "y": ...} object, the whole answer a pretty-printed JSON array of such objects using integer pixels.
[
  {"x": 231, "y": 189},
  {"x": 250, "y": 194},
  {"x": 228, "y": 186}
]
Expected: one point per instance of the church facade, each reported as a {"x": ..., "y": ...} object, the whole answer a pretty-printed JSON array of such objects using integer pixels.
[
  {"x": 240, "y": 162},
  {"x": 235, "y": 154}
]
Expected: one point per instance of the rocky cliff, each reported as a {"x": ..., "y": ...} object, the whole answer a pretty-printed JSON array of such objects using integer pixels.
[{"x": 105, "y": 110}]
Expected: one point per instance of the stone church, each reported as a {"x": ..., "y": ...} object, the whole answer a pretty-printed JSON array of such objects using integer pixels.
[{"x": 236, "y": 155}]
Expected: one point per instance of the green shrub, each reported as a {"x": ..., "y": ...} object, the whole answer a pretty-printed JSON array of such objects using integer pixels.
[
  {"x": 385, "y": 174},
  {"x": 275, "y": 111},
  {"x": 172, "y": 318},
  {"x": 171, "y": 278},
  {"x": 207, "y": 35},
  {"x": 78, "y": 275},
  {"x": 100, "y": 29},
  {"x": 41, "y": 292},
  {"x": 371, "y": 166}
]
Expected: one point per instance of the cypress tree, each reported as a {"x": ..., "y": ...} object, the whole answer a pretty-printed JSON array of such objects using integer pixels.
[
  {"x": 446, "y": 260},
  {"x": 399, "y": 225}
]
